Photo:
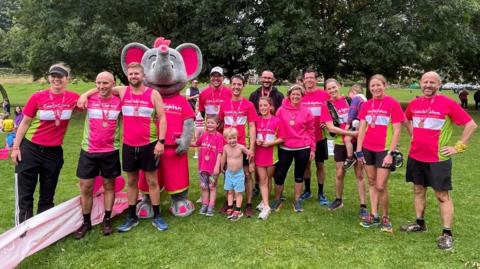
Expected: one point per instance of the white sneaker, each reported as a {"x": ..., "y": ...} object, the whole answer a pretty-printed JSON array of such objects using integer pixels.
[
  {"x": 265, "y": 213},
  {"x": 260, "y": 206},
  {"x": 195, "y": 156}
]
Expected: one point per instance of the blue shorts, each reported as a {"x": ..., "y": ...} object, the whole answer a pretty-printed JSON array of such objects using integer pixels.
[{"x": 234, "y": 181}]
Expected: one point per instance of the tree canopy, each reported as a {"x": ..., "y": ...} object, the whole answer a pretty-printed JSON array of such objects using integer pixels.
[{"x": 398, "y": 38}]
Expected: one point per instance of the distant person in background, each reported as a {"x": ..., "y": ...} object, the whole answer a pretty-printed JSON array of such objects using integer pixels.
[
  {"x": 476, "y": 97},
  {"x": 463, "y": 96},
  {"x": 6, "y": 106},
  {"x": 18, "y": 116},
  {"x": 192, "y": 94}
]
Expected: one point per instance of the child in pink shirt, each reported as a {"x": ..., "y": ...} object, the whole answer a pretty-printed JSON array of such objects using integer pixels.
[
  {"x": 267, "y": 127},
  {"x": 211, "y": 147}
]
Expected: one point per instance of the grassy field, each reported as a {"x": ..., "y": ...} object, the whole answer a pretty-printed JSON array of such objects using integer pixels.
[{"x": 315, "y": 238}]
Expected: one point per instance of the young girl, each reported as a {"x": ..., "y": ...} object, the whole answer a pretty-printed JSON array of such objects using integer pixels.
[
  {"x": 267, "y": 127},
  {"x": 211, "y": 147}
]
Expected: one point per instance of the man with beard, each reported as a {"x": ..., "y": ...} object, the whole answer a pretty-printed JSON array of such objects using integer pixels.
[
  {"x": 267, "y": 89},
  {"x": 143, "y": 141},
  {"x": 429, "y": 122}
]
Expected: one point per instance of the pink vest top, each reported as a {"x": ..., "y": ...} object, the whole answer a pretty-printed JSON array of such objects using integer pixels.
[{"x": 139, "y": 117}]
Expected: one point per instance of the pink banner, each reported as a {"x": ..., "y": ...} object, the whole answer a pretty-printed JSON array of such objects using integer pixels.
[{"x": 50, "y": 226}]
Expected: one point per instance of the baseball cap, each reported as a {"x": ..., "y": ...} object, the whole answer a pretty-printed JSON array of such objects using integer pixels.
[{"x": 217, "y": 69}]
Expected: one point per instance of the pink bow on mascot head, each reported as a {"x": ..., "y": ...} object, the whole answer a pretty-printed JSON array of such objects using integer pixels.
[{"x": 168, "y": 70}]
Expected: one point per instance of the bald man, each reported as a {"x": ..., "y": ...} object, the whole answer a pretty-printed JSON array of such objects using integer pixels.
[
  {"x": 100, "y": 151},
  {"x": 267, "y": 89},
  {"x": 429, "y": 122}
]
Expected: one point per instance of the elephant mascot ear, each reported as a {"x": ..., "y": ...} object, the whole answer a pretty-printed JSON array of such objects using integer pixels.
[
  {"x": 132, "y": 52},
  {"x": 192, "y": 57}
]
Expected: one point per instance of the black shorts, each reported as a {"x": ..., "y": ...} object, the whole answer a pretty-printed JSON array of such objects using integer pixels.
[
  {"x": 105, "y": 164},
  {"x": 437, "y": 175},
  {"x": 339, "y": 153},
  {"x": 375, "y": 158},
  {"x": 321, "y": 151},
  {"x": 139, "y": 158}
]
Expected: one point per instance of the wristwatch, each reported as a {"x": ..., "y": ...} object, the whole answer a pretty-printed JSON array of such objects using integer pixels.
[
  {"x": 161, "y": 141},
  {"x": 390, "y": 153}
]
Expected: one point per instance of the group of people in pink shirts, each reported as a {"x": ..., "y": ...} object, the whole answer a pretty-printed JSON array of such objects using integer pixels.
[
  {"x": 240, "y": 139},
  {"x": 366, "y": 134}
]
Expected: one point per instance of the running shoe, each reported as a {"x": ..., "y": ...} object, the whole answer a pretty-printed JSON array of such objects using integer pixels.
[
  {"x": 264, "y": 213},
  {"x": 210, "y": 211},
  {"x": 249, "y": 211},
  {"x": 386, "y": 225},
  {"x": 370, "y": 221},
  {"x": 127, "y": 225},
  {"x": 82, "y": 231},
  {"x": 195, "y": 156},
  {"x": 159, "y": 223},
  {"x": 276, "y": 205},
  {"x": 229, "y": 213},
  {"x": 297, "y": 206},
  {"x": 203, "y": 210},
  {"x": 413, "y": 227},
  {"x": 323, "y": 199},
  {"x": 363, "y": 214},
  {"x": 348, "y": 163},
  {"x": 260, "y": 206},
  {"x": 107, "y": 228},
  {"x": 336, "y": 204},
  {"x": 224, "y": 208},
  {"x": 236, "y": 215},
  {"x": 305, "y": 195},
  {"x": 282, "y": 197},
  {"x": 445, "y": 242}
]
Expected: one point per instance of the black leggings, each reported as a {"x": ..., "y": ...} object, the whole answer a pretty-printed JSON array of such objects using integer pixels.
[{"x": 285, "y": 158}]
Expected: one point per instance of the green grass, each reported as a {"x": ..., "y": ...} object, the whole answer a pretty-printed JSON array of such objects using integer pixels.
[{"x": 315, "y": 238}]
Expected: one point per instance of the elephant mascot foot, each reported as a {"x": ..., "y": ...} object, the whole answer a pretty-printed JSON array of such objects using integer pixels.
[
  {"x": 181, "y": 206},
  {"x": 144, "y": 208}
]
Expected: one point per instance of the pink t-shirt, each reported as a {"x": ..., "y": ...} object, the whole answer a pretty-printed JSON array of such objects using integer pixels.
[
  {"x": 380, "y": 114},
  {"x": 237, "y": 114},
  {"x": 45, "y": 109},
  {"x": 101, "y": 133},
  {"x": 177, "y": 109},
  {"x": 342, "y": 107},
  {"x": 315, "y": 102},
  {"x": 211, "y": 100},
  {"x": 267, "y": 130},
  {"x": 210, "y": 146},
  {"x": 296, "y": 127},
  {"x": 139, "y": 118},
  {"x": 432, "y": 126}
]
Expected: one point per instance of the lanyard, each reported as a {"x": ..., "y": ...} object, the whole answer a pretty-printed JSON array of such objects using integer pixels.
[
  {"x": 105, "y": 114},
  {"x": 374, "y": 115},
  {"x": 57, "y": 109},
  {"x": 421, "y": 124},
  {"x": 235, "y": 112},
  {"x": 135, "y": 102}
]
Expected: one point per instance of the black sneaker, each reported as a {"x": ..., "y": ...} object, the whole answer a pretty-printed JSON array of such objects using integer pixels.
[
  {"x": 445, "y": 242},
  {"x": 349, "y": 163},
  {"x": 336, "y": 204},
  {"x": 413, "y": 227},
  {"x": 82, "y": 231}
]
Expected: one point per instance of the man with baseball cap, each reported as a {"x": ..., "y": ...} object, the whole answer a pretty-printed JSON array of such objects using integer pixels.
[{"x": 213, "y": 96}]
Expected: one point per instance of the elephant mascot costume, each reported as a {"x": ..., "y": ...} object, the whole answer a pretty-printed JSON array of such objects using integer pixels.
[{"x": 168, "y": 70}]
